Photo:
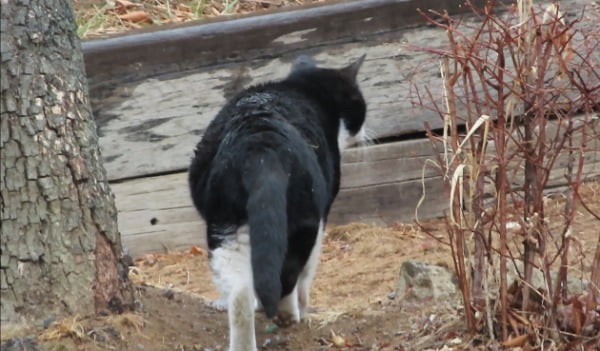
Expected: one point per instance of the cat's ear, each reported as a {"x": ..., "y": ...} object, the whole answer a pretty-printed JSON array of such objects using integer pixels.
[
  {"x": 303, "y": 62},
  {"x": 351, "y": 71}
]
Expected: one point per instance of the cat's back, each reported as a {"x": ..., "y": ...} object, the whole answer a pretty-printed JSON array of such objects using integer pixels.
[
  {"x": 249, "y": 112},
  {"x": 281, "y": 99},
  {"x": 255, "y": 106}
]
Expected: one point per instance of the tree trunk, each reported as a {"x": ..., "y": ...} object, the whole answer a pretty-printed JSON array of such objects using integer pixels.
[{"x": 60, "y": 248}]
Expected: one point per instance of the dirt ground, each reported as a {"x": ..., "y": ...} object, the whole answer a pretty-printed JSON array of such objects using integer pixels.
[{"x": 355, "y": 306}]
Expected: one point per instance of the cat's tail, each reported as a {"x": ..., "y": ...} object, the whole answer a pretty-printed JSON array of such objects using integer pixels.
[{"x": 266, "y": 182}]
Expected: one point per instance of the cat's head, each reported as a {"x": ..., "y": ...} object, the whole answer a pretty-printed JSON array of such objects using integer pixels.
[{"x": 344, "y": 93}]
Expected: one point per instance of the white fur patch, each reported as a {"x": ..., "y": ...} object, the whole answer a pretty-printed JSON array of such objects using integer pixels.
[
  {"x": 230, "y": 263},
  {"x": 345, "y": 139},
  {"x": 361, "y": 136},
  {"x": 343, "y": 136},
  {"x": 232, "y": 274},
  {"x": 289, "y": 304},
  {"x": 308, "y": 273}
]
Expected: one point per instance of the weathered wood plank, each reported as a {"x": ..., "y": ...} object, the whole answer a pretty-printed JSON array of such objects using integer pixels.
[
  {"x": 154, "y": 93},
  {"x": 386, "y": 163},
  {"x": 181, "y": 227},
  {"x": 157, "y": 213},
  {"x": 173, "y": 48},
  {"x": 387, "y": 203},
  {"x": 172, "y": 236},
  {"x": 152, "y": 126},
  {"x": 153, "y": 99},
  {"x": 380, "y": 184}
]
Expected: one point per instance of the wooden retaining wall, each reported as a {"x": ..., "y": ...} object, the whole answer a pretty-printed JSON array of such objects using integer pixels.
[{"x": 153, "y": 94}]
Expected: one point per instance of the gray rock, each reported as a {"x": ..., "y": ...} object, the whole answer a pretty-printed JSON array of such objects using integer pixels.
[{"x": 422, "y": 281}]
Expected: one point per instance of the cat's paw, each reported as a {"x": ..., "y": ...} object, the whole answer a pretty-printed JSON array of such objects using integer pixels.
[
  {"x": 285, "y": 319},
  {"x": 289, "y": 306}
]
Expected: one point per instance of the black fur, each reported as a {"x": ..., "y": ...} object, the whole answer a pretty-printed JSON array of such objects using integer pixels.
[{"x": 270, "y": 159}]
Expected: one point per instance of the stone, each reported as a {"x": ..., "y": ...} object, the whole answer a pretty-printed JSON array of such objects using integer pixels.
[{"x": 423, "y": 281}]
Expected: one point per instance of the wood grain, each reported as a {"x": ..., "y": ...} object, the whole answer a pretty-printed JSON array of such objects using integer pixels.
[
  {"x": 144, "y": 53},
  {"x": 381, "y": 184},
  {"x": 157, "y": 213},
  {"x": 153, "y": 93},
  {"x": 151, "y": 127}
]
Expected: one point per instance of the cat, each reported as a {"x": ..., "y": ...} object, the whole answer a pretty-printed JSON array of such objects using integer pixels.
[{"x": 264, "y": 177}]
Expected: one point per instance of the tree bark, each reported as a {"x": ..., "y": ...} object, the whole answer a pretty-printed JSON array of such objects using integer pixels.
[{"x": 60, "y": 251}]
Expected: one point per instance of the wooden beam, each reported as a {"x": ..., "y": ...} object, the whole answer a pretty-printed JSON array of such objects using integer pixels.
[
  {"x": 380, "y": 184},
  {"x": 145, "y": 53},
  {"x": 154, "y": 92},
  {"x": 151, "y": 127}
]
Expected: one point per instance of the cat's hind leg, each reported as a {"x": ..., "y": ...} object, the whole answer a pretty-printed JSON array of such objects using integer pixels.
[
  {"x": 232, "y": 273},
  {"x": 289, "y": 311},
  {"x": 240, "y": 313},
  {"x": 308, "y": 273}
]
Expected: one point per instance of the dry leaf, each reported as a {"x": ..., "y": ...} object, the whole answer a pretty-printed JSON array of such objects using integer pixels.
[
  {"x": 337, "y": 340},
  {"x": 513, "y": 323},
  {"x": 195, "y": 250},
  {"x": 516, "y": 341},
  {"x": 137, "y": 17}
]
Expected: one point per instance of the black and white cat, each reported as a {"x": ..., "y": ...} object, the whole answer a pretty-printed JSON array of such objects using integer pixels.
[{"x": 264, "y": 177}]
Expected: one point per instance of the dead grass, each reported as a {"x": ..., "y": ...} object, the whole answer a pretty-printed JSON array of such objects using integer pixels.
[
  {"x": 78, "y": 330},
  {"x": 127, "y": 320},
  {"x": 101, "y": 18},
  {"x": 66, "y": 328}
]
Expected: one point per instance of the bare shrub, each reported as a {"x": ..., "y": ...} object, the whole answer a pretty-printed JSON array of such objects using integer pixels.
[{"x": 520, "y": 91}]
